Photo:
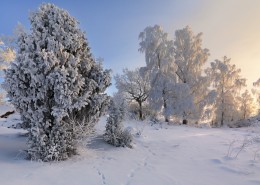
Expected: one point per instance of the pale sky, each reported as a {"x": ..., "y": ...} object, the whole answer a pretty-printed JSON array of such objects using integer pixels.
[{"x": 230, "y": 27}]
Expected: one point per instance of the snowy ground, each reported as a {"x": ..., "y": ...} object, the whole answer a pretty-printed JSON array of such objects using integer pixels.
[{"x": 167, "y": 155}]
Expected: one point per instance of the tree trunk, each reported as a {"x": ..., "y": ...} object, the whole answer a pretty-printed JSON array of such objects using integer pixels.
[
  {"x": 222, "y": 113},
  {"x": 222, "y": 118},
  {"x": 140, "y": 110},
  {"x": 245, "y": 114},
  {"x": 184, "y": 122},
  {"x": 165, "y": 107}
]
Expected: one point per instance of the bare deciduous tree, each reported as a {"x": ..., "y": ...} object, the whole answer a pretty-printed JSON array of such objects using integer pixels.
[{"x": 134, "y": 86}]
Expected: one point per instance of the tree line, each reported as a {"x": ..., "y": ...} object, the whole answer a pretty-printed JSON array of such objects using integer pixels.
[{"x": 178, "y": 82}]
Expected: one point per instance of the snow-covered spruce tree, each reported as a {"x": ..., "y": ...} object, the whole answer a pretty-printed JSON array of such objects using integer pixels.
[
  {"x": 227, "y": 82},
  {"x": 114, "y": 133},
  {"x": 55, "y": 83}
]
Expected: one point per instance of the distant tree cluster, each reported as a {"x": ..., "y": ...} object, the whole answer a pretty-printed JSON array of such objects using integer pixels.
[{"x": 177, "y": 84}]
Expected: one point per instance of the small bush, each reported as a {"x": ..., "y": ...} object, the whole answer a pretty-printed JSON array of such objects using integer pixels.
[
  {"x": 126, "y": 139},
  {"x": 114, "y": 134}
]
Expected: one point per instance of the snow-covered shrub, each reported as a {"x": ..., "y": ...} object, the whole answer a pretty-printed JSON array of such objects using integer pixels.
[
  {"x": 114, "y": 134},
  {"x": 126, "y": 138},
  {"x": 237, "y": 146},
  {"x": 55, "y": 84},
  {"x": 82, "y": 129},
  {"x": 240, "y": 123}
]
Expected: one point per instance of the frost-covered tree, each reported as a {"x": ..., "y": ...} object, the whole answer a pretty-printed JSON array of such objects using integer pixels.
[
  {"x": 7, "y": 55},
  {"x": 8, "y": 46},
  {"x": 54, "y": 80},
  {"x": 256, "y": 92},
  {"x": 190, "y": 59},
  {"x": 160, "y": 67},
  {"x": 247, "y": 107},
  {"x": 114, "y": 133},
  {"x": 120, "y": 100},
  {"x": 10, "y": 41},
  {"x": 227, "y": 82},
  {"x": 8, "y": 49},
  {"x": 134, "y": 86}
]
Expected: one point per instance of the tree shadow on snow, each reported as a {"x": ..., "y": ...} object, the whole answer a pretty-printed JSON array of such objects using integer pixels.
[
  {"x": 98, "y": 143},
  {"x": 12, "y": 146}
]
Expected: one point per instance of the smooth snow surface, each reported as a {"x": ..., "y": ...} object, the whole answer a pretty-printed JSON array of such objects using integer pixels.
[{"x": 162, "y": 155}]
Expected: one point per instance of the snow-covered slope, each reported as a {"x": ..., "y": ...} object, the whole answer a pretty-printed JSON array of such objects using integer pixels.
[{"x": 162, "y": 155}]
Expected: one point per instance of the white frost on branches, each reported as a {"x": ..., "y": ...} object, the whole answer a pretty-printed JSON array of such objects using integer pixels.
[
  {"x": 190, "y": 59},
  {"x": 54, "y": 80},
  {"x": 256, "y": 92},
  {"x": 227, "y": 82},
  {"x": 159, "y": 67},
  {"x": 134, "y": 86},
  {"x": 247, "y": 106},
  {"x": 115, "y": 133},
  {"x": 175, "y": 69},
  {"x": 7, "y": 55}
]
